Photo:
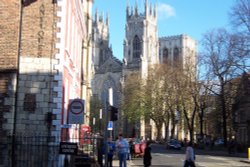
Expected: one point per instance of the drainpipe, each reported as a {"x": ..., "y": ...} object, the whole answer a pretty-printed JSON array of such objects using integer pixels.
[{"x": 13, "y": 156}]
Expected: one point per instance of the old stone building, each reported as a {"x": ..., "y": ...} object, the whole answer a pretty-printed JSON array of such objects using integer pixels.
[
  {"x": 142, "y": 48},
  {"x": 45, "y": 61},
  {"x": 241, "y": 112},
  {"x": 107, "y": 68}
]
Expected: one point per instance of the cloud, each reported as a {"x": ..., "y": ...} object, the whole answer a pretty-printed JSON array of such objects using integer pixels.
[{"x": 165, "y": 11}]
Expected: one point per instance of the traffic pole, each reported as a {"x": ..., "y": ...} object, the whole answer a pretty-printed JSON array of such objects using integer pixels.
[{"x": 249, "y": 153}]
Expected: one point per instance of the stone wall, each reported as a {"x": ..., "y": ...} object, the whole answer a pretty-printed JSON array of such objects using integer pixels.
[{"x": 36, "y": 70}]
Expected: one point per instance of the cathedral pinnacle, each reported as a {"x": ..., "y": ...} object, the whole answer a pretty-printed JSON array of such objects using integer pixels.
[
  {"x": 136, "y": 8},
  {"x": 107, "y": 19},
  {"x": 127, "y": 9},
  {"x": 150, "y": 9},
  {"x": 155, "y": 10},
  {"x": 146, "y": 8},
  {"x": 96, "y": 15}
]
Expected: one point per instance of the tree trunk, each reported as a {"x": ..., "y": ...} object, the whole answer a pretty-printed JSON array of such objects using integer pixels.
[
  {"x": 159, "y": 129},
  {"x": 172, "y": 129},
  {"x": 224, "y": 119},
  {"x": 201, "y": 114},
  {"x": 166, "y": 128}
]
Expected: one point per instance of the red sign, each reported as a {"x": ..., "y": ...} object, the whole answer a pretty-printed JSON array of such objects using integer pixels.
[{"x": 76, "y": 111}]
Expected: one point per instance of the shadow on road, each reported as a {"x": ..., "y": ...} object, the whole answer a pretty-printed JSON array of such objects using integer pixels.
[{"x": 159, "y": 148}]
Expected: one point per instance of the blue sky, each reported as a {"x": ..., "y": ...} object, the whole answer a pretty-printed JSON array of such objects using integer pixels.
[{"x": 175, "y": 17}]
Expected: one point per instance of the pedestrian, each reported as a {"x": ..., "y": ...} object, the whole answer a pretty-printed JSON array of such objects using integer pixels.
[
  {"x": 147, "y": 155},
  {"x": 100, "y": 151},
  {"x": 231, "y": 146},
  {"x": 122, "y": 148},
  {"x": 190, "y": 157},
  {"x": 131, "y": 147},
  {"x": 111, "y": 150}
]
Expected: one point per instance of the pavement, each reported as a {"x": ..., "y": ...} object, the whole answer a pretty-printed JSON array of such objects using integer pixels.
[{"x": 137, "y": 162}]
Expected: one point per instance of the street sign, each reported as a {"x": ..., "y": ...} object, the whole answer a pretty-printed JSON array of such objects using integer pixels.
[
  {"x": 67, "y": 126},
  {"x": 68, "y": 148},
  {"x": 76, "y": 111},
  {"x": 110, "y": 125}
]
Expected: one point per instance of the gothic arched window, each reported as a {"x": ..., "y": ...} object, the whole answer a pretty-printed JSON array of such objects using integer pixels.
[
  {"x": 136, "y": 47},
  {"x": 176, "y": 54},
  {"x": 165, "y": 55}
]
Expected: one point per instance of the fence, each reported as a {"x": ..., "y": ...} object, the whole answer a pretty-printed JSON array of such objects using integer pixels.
[{"x": 37, "y": 150}]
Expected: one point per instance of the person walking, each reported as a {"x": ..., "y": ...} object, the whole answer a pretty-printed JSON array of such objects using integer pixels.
[
  {"x": 111, "y": 150},
  {"x": 190, "y": 157},
  {"x": 131, "y": 149},
  {"x": 122, "y": 148},
  {"x": 147, "y": 155},
  {"x": 100, "y": 151}
]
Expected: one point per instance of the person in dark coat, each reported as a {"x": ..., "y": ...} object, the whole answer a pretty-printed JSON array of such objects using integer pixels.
[
  {"x": 147, "y": 155},
  {"x": 100, "y": 151},
  {"x": 111, "y": 150}
]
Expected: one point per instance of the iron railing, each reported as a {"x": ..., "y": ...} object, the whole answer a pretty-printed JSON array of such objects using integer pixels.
[{"x": 38, "y": 150}]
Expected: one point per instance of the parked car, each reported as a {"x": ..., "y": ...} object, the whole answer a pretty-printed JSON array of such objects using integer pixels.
[
  {"x": 173, "y": 144},
  {"x": 218, "y": 142}
]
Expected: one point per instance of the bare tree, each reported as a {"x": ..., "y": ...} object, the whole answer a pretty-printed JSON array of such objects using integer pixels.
[
  {"x": 224, "y": 61},
  {"x": 240, "y": 20},
  {"x": 240, "y": 16}
]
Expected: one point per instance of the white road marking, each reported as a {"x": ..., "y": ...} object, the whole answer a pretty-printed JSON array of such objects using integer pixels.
[
  {"x": 159, "y": 154},
  {"x": 218, "y": 158}
]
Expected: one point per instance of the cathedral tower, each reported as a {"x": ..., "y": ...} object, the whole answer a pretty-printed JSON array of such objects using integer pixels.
[
  {"x": 141, "y": 39},
  {"x": 100, "y": 37}
]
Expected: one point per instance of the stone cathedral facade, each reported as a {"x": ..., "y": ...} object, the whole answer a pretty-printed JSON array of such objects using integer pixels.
[{"x": 142, "y": 48}]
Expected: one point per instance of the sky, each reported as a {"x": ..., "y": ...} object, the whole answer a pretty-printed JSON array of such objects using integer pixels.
[{"x": 175, "y": 17}]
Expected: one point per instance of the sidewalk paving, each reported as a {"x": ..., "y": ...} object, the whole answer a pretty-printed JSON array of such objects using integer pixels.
[
  {"x": 245, "y": 161},
  {"x": 129, "y": 163}
]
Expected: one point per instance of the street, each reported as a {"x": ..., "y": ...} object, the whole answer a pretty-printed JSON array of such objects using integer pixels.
[{"x": 175, "y": 158}]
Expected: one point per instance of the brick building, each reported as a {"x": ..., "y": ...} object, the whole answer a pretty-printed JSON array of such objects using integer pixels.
[{"x": 44, "y": 62}]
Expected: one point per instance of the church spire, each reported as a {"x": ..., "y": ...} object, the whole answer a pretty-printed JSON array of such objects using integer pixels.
[
  {"x": 155, "y": 11},
  {"x": 146, "y": 8},
  {"x": 96, "y": 15},
  {"x": 136, "y": 8},
  {"x": 107, "y": 19},
  {"x": 102, "y": 17},
  {"x": 150, "y": 9},
  {"x": 127, "y": 9}
]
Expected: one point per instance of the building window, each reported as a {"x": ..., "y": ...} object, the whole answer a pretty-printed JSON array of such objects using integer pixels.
[
  {"x": 176, "y": 56},
  {"x": 165, "y": 55},
  {"x": 29, "y": 102},
  {"x": 136, "y": 47},
  {"x": 242, "y": 116}
]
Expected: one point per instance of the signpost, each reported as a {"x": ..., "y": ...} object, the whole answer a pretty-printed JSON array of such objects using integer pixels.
[
  {"x": 110, "y": 125},
  {"x": 76, "y": 111}
]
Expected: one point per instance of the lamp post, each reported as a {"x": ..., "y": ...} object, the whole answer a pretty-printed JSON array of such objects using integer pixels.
[{"x": 110, "y": 102}]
